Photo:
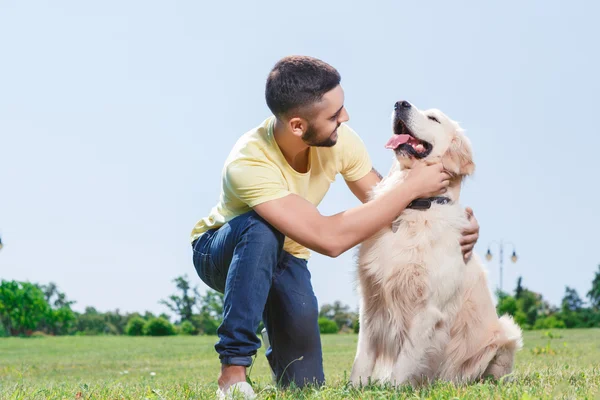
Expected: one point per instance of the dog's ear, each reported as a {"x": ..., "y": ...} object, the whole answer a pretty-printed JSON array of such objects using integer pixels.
[{"x": 458, "y": 159}]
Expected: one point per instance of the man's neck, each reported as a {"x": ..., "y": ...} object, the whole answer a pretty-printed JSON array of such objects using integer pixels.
[{"x": 292, "y": 147}]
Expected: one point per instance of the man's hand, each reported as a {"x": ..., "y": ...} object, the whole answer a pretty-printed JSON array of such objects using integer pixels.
[{"x": 470, "y": 236}]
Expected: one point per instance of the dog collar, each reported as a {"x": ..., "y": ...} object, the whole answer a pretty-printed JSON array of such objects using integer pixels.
[{"x": 425, "y": 204}]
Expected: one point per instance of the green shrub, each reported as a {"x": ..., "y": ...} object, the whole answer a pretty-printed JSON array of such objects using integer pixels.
[
  {"x": 507, "y": 305},
  {"x": 135, "y": 326},
  {"x": 327, "y": 326},
  {"x": 521, "y": 319},
  {"x": 206, "y": 324},
  {"x": 550, "y": 322},
  {"x": 187, "y": 328},
  {"x": 158, "y": 327}
]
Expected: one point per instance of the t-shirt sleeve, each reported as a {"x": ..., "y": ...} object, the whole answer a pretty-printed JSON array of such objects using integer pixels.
[
  {"x": 254, "y": 182},
  {"x": 355, "y": 160}
]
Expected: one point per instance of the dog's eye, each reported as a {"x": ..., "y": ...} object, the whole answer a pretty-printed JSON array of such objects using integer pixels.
[{"x": 431, "y": 117}]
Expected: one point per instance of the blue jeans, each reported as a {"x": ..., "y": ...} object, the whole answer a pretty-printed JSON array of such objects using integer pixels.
[{"x": 245, "y": 260}]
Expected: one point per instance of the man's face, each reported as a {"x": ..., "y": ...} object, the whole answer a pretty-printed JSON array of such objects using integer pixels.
[{"x": 326, "y": 117}]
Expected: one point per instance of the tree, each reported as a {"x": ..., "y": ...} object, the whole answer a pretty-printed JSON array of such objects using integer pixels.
[
  {"x": 571, "y": 305},
  {"x": 211, "y": 304},
  {"x": 519, "y": 288},
  {"x": 507, "y": 304},
  {"x": 571, "y": 301},
  {"x": 339, "y": 313},
  {"x": 54, "y": 297},
  {"x": 594, "y": 293},
  {"x": 91, "y": 322},
  {"x": 59, "y": 319},
  {"x": 211, "y": 312},
  {"x": 529, "y": 303},
  {"x": 182, "y": 305},
  {"x": 22, "y": 307}
]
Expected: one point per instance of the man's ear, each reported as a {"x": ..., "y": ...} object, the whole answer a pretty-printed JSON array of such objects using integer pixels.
[
  {"x": 298, "y": 126},
  {"x": 459, "y": 156}
]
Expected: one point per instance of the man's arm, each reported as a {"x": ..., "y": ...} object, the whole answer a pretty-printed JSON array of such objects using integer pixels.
[
  {"x": 301, "y": 221},
  {"x": 364, "y": 185}
]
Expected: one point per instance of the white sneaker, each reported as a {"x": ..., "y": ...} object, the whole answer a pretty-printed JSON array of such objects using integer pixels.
[{"x": 240, "y": 390}]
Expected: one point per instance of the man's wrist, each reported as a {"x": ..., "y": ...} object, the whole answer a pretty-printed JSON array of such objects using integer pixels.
[{"x": 409, "y": 190}]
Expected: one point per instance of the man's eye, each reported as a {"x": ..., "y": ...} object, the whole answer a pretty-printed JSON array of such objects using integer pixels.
[{"x": 431, "y": 117}]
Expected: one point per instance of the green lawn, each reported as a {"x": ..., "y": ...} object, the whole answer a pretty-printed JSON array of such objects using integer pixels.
[{"x": 187, "y": 368}]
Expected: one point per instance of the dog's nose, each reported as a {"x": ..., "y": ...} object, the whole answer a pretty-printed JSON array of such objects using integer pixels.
[{"x": 402, "y": 104}]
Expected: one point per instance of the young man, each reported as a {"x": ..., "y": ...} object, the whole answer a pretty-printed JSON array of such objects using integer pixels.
[{"x": 254, "y": 244}]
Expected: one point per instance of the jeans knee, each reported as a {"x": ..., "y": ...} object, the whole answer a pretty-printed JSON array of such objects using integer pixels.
[{"x": 305, "y": 324}]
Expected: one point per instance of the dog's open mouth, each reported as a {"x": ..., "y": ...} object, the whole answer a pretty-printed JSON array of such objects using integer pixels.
[{"x": 404, "y": 141}]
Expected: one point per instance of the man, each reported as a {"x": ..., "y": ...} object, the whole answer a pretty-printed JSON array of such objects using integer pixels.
[{"x": 254, "y": 244}]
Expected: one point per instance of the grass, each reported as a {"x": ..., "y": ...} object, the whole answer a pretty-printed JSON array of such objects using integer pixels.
[{"x": 560, "y": 364}]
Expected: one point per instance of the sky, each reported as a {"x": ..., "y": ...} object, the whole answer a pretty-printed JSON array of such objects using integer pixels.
[{"x": 116, "y": 118}]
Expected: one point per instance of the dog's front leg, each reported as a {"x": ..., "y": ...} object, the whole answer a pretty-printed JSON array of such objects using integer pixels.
[
  {"x": 365, "y": 356},
  {"x": 426, "y": 338}
]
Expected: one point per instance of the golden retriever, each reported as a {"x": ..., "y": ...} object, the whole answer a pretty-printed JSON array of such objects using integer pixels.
[{"x": 425, "y": 314}]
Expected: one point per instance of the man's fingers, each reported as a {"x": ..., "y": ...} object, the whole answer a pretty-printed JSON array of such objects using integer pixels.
[
  {"x": 471, "y": 229},
  {"x": 468, "y": 239},
  {"x": 470, "y": 235},
  {"x": 466, "y": 248},
  {"x": 473, "y": 226}
]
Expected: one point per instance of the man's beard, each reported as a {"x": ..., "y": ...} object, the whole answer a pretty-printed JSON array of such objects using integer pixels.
[{"x": 310, "y": 138}]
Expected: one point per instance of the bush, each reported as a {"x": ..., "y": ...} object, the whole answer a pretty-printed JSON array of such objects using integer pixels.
[
  {"x": 356, "y": 325},
  {"x": 550, "y": 322},
  {"x": 206, "y": 324},
  {"x": 187, "y": 328},
  {"x": 327, "y": 326},
  {"x": 158, "y": 327},
  {"x": 507, "y": 305},
  {"x": 135, "y": 326},
  {"x": 521, "y": 319}
]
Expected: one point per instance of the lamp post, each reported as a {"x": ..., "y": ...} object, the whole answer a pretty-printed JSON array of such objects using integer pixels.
[
  {"x": 1, "y": 245},
  {"x": 513, "y": 257}
]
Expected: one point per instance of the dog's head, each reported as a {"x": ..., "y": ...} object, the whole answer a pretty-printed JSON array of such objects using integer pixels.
[{"x": 429, "y": 135}]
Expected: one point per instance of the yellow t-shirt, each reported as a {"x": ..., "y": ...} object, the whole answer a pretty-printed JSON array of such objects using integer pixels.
[{"x": 256, "y": 171}]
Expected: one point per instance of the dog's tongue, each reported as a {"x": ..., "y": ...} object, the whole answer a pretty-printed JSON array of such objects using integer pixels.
[{"x": 396, "y": 141}]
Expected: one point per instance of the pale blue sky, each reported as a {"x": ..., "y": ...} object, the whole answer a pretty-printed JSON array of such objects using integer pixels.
[{"x": 116, "y": 117}]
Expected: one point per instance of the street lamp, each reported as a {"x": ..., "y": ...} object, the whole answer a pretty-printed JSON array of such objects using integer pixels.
[
  {"x": 1, "y": 245},
  {"x": 513, "y": 257}
]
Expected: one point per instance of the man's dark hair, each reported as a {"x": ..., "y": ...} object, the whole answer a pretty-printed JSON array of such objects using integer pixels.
[{"x": 298, "y": 81}]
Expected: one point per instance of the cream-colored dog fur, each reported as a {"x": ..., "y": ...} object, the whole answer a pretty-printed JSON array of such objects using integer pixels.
[{"x": 425, "y": 314}]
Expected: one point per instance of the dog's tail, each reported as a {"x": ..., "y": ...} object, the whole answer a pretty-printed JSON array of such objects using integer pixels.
[
  {"x": 503, "y": 361},
  {"x": 514, "y": 335}
]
